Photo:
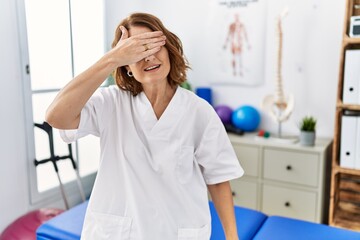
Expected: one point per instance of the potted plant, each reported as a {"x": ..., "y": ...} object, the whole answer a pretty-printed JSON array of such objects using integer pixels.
[{"x": 307, "y": 131}]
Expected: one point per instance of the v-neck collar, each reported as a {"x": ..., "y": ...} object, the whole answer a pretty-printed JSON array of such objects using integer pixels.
[{"x": 151, "y": 124}]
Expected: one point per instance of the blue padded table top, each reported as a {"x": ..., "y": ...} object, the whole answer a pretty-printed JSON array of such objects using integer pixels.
[
  {"x": 282, "y": 228},
  {"x": 67, "y": 225},
  {"x": 248, "y": 222}
]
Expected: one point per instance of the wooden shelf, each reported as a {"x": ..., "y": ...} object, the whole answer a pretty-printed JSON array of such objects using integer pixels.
[
  {"x": 347, "y": 215},
  {"x": 348, "y": 106},
  {"x": 347, "y": 200},
  {"x": 338, "y": 169},
  {"x": 344, "y": 209},
  {"x": 348, "y": 40}
]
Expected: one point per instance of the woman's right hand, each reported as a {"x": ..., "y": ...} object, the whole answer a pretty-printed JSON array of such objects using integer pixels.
[
  {"x": 64, "y": 112},
  {"x": 135, "y": 48}
]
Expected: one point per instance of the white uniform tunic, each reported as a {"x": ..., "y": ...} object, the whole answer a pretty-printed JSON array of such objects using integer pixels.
[{"x": 152, "y": 177}]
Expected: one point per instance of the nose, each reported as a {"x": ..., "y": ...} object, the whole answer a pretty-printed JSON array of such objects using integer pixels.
[{"x": 149, "y": 58}]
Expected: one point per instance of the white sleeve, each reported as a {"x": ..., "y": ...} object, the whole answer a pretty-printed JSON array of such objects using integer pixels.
[
  {"x": 93, "y": 116},
  {"x": 216, "y": 154}
]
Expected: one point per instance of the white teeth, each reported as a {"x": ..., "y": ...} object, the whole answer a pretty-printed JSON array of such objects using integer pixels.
[{"x": 151, "y": 68}]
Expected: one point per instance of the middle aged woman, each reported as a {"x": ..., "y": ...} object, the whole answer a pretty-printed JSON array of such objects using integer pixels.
[{"x": 162, "y": 147}]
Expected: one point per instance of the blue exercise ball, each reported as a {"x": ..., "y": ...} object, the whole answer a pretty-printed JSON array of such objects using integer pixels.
[{"x": 246, "y": 118}]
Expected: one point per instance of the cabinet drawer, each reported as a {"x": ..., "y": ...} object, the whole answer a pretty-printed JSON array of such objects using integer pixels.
[
  {"x": 293, "y": 167},
  {"x": 289, "y": 202},
  {"x": 244, "y": 193},
  {"x": 249, "y": 158}
]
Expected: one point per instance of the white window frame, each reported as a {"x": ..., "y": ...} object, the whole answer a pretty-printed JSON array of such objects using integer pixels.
[{"x": 71, "y": 188}]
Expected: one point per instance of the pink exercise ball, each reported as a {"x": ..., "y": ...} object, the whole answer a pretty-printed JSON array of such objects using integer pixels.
[{"x": 24, "y": 228}]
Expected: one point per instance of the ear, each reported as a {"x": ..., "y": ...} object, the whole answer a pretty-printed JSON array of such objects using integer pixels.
[{"x": 127, "y": 68}]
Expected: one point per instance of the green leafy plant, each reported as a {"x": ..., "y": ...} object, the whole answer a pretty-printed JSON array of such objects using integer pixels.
[
  {"x": 308, "y": 124},
  {"x": 186, "y": 85}
]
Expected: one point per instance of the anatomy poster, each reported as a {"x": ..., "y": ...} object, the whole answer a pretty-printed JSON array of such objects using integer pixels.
[{"x": 235, "y": 41}]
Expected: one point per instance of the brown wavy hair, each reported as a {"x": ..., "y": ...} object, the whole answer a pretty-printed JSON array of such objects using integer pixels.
[{"x": 178, "y": 62}]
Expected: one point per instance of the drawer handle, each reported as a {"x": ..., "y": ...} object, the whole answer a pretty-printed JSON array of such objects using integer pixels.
[
  {"x": 233, "y": 194},
  {"x": 287, "y": 204},
  {"x": 289, "y": 167}
]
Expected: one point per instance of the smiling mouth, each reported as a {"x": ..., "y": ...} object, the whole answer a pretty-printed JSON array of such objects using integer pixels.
[{"x": 152, "y": 68}]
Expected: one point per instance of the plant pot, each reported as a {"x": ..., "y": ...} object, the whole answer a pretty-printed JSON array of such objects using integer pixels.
[{"x": 307, "y": 138}]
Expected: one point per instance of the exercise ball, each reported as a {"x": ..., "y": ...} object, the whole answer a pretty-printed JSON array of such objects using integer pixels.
[
  {"x": 224, "y": 112},
  {"x": 24, "y": 228},
  {"x": 246, "y": 118}
]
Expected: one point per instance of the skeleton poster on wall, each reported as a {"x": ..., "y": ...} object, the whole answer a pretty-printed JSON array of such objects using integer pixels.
[{"x": 236, "y": 41}]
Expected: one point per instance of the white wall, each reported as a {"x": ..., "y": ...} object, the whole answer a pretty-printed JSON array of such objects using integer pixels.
[
  {"x": 14, "y": 179},
  {"x": 13, "y": 173},
  {"x": 311, "y": 52},
  {"x": 115, "y": 11},
  {"x": 310, "y": 72}
]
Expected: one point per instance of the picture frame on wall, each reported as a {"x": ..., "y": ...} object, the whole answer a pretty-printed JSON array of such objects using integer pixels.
[{"x": 236, "y": 52}]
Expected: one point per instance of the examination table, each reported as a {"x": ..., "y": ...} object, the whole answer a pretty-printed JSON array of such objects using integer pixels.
[{"x": 251, "y": 224}]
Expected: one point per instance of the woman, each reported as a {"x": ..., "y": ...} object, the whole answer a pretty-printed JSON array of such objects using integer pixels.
[{"x": 162, "y": 147}]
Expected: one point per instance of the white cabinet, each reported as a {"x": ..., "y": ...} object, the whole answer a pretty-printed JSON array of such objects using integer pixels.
[
  {"x": 291, "y": 167},
  {"x": 289, "y": 202},
  {"x": 244, "y": 193},
  {"x": 284, "y": 179}
]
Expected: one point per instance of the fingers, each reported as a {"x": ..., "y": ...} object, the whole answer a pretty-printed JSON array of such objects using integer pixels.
[
  {"x": 131, "y": 49},
  {"x": 144, "y": 41},
  {"x": 150, "y": 35},
  {"x": 150, "y": 52},
  {"x": 149, "y": 46},
  {"x": 152, "y": 40}
]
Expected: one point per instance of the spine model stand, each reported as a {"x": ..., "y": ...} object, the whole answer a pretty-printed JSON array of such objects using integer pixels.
[{"x": 277, "y": 105}]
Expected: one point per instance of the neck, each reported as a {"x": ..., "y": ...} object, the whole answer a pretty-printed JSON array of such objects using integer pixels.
[{"x": 159, "y": 96}]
